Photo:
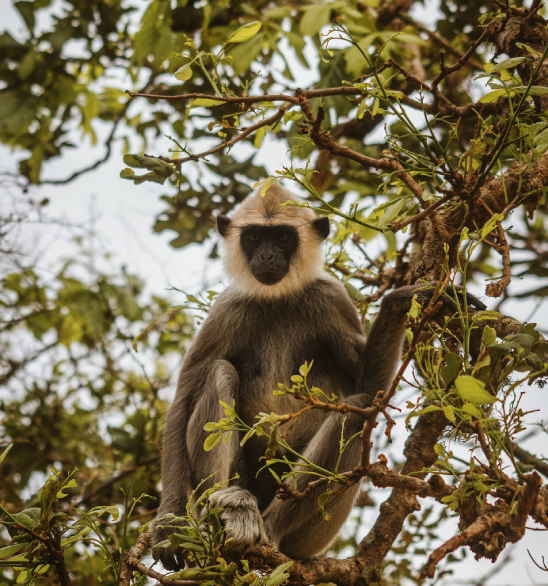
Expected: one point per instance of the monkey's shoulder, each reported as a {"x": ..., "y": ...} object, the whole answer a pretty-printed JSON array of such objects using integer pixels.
[{"x": 320, "y": 319}]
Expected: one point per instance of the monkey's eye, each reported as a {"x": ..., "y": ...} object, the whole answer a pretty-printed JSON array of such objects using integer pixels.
[
  {"x": 253, "y": 237},
  {"x": 284, "y": 237}
]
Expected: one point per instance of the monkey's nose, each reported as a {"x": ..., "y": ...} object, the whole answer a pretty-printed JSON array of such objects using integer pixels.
[{"x": 267, "y": 256}]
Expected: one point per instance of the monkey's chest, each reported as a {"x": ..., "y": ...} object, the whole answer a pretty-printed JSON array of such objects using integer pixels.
[{"x": 263, "y": 368}]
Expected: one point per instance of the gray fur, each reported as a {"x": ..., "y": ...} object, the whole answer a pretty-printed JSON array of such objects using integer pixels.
[
  {"x": 246, "y": 346},
  {"x": 241, "y": 517}
]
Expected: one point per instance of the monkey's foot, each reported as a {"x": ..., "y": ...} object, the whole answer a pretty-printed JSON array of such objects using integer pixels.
[
  {"x": 171, "y": 559},
  {"x": 241, "y": 517}
]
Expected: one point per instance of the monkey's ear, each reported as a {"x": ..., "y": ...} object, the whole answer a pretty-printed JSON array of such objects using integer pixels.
[
  {"x": 321, "y": 227},
  {"x": 223, "y": 222}
]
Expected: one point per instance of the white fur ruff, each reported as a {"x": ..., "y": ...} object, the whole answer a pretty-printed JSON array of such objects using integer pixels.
[{"x": 306, "y": 264}]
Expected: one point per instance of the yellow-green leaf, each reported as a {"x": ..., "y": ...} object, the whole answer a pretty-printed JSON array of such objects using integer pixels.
[
  {"x": 5, "y": 452},
  {"x": 245, "y": 32},
  {"x": 492, "y": 96},
  {"x": 472, "y": 410},
  {"x": 440, "y": 450},
  {"x": 508, "y": 64},
  {"x": 472, "y": 390},
  {"x": 205, "y": 102},
  {"x": 11, "y": 549},
  {"x": 448, "y": 412},
  {"x": 315, "y": 17},
  {"x": 212, "y": 441},
  {"x": 184, "y": 73},
  {"x": 259, "y": 135}
]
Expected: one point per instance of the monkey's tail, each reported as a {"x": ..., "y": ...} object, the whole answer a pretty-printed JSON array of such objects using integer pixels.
[{"x": 176, "y": 471}]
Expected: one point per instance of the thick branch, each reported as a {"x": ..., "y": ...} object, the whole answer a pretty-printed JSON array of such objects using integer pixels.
[
  {"x": 497, "y": 289},
  {"x": 496, "y": 522},
  {"x": 527, "y": 458}
]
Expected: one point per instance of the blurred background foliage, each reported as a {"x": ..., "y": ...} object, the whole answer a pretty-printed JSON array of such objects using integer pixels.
[{"x": 75, "y": 395}]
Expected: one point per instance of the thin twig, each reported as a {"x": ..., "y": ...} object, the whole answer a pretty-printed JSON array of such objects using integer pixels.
[
  {"x": 365, "y": 279},
  {"x": 249, "y": 130},
  {"x": 116, "y": 478},
  {"x": 441, "y": 41},
  {"x": 396, "y": 226}
]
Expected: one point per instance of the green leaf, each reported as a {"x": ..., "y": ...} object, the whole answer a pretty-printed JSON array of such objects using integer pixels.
[
  {"x": 492, "y": 96},
  {"x": 11, "y": 549},
  {"x": 138, "y": 179},
  {"x": 391, "y": 213},
  {"x": 448, "y": 412},
  {"x": 212, "y": 440},
  {"x": 279, "y": 575},
  {"x": 322, "y": 500},
  {"x": 508, "y": 64},
  {"x": 26, "y": 521},
  {"x": 245, "y": 32},
  {"x": 472, "y": 390},
  {"x": 163, "y": 168},
  {"x": 523, "y": 340},
  {"x": 472, "y": 410},
  {"x": 542, "y": 139},
  {"x": 314, "y": 18},
  {"x": 490, "y": 225},
  {"x": 5, "y": 453},
  {"x": 205, "y": 102},
  {"x": 450, "y": 372},
  {"x": 259, "y": 135},
  {"x": 184, "y": 73},
  {"x": 112, "y": 510},
  {"x": 536, "y": 90},
  {"x": 77, "y": 537},
  {"x": 17, "y": 111},
  {"x": 292, "y": 116},
  {"x": 26, "y": 10},
  {"x": 527, "y": 48},
  {"x": 409, "y": 39},
  {"x": 440, "y": 450},
  {"x": 535, "y": 128},
  {"x": 489, "y": 336}
]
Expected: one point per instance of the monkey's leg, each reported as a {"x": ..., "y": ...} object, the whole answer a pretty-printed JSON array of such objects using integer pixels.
[
  {"x": 241, "y": 517},
  {"x": 185, "y": 464},
  {"x": 299, "y": 529}
]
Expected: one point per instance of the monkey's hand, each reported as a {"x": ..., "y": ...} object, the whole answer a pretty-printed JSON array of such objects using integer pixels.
[
  {"x": 240, "y": 518},
  {"x": 172, "y": 560},
  {"x": 402, "y": 297}
]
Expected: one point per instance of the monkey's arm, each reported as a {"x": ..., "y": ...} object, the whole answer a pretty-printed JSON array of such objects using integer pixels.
[{"x": 382, "y": 351}]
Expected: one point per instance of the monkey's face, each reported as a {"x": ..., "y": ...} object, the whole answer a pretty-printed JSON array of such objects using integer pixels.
[{"x": 269, "y": 250}]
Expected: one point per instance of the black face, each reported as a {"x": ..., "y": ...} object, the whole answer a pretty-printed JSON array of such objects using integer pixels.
[{"x": 269, "y": 250}]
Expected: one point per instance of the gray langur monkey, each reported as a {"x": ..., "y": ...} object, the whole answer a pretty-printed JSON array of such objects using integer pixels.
[{"x": 280, "y": 310}]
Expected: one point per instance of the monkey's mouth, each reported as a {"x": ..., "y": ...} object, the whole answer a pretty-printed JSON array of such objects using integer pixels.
[{"x": 269, "y": 275}]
